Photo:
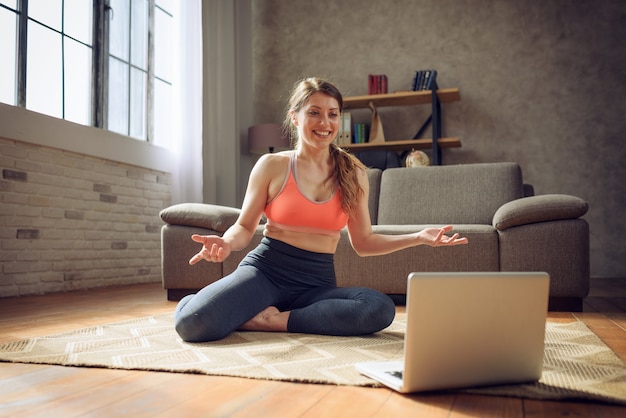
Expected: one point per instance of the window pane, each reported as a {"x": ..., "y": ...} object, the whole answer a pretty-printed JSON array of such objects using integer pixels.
[
  {"x": 118, "y": 97},
  {"x": 162, "y": 114},
  {"x": 119, "y": 29},
  {"x": 47, "y": 12},
  {"x": 10, "y": 3},
  {"x": 77, "y": 82},
  {"x": 138, "y": 81},
  {"x": 139, "y": 25},
  {"x": 43, "y": 75},
  {"x": 8, "y": 22},
  {"x": 167, "y": 5},
  {"x": 163, "y": 45},
  {"x": 78, "y": 18}
]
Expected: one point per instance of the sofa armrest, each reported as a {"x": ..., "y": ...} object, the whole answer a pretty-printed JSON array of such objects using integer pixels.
[
  {"x": 527, "y": 210},
  {"x": 218, "y": 218}
]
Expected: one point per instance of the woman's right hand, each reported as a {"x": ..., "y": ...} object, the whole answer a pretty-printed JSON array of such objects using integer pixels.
[{"x": 214, "y": 249}]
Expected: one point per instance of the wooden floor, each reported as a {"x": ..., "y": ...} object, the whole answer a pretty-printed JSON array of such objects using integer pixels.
[{"x": 54, "y": 391}]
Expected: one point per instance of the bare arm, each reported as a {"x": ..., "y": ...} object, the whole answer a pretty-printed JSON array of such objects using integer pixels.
[
  {"x": 238, "y": 236},
  {"x": 366, "y": 243}
]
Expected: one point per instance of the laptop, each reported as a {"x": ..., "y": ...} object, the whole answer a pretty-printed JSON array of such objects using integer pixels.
[{"x": 469, "y": 329}]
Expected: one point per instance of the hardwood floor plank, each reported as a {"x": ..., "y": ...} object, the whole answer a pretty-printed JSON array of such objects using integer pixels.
[
  {"x": 536, "y": 408},
  {"x": 432, "y": 405},
  {"x": 618, "y": 319},
  {"x": 16, "y": 369},
  {"x": 288, "y": 400},
  {"x": 97, "y": 401},
  {"x": 33, "y": 316},
  {"x": 225, "y": 398},
  {"x": 201, "y": 396},
  {"x": 167, "y": 394},
  {"x": 560, "y": 317},
  {"x": 41, "y": 392},
  {"x": 350, "y": 401},
  {"x": 486, "y": 407},
  {"x": 607, "y": 330}
]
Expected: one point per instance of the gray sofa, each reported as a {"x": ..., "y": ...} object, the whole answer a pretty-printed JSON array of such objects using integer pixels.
[{"x": 509, "y": 229}]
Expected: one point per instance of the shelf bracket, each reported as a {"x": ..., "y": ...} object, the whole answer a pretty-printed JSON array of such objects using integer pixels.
[
  {"x": 421, "y": 130},
  {"x": 436, "y": 125}
]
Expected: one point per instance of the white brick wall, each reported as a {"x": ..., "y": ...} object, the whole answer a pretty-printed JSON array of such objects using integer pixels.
[{"x": 70, "y": 221}]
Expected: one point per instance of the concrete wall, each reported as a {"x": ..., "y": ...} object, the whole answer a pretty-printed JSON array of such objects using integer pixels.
[{"x": 542, "y": 83}]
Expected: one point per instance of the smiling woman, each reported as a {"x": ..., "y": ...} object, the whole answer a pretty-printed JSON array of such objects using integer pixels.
[{"x": 288, "y": 283}]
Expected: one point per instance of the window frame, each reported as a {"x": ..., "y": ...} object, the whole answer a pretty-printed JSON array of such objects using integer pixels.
[
  {"x": 22, "y": 124},
  {"x": 99, "y": 64}
]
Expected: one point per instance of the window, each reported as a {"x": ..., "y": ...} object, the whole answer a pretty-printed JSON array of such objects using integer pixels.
[
  {"x": 8, "y": 52},
  {"x": 96, "y": 63}
]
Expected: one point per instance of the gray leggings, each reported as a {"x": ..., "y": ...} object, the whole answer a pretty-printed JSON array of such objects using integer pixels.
[{"x": 278, "y": 274}]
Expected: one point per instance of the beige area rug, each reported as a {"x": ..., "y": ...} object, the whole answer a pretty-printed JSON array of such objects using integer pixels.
[{"x": 577, "y": 364}]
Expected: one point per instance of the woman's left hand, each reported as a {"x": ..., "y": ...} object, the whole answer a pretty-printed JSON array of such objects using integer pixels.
[{"x": 436, "y": 237}]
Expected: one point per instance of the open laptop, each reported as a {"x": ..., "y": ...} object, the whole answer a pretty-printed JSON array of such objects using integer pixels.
[{"x": 469, "y": 329}]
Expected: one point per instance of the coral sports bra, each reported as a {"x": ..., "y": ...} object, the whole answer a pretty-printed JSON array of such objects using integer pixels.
[{"x": 293, "y": 211}]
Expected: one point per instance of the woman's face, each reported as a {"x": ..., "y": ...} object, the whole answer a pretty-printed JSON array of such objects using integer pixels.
[{"x": 318, "y": 120}]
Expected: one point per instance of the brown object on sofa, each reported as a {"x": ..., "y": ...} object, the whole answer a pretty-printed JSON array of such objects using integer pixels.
[{"x": 507, "y": 231}]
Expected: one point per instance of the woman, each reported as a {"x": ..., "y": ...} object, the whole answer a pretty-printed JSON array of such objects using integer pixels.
[{"x": 307, "y": 195}]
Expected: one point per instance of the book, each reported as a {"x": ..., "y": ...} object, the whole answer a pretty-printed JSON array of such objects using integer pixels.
[
  {"x": 432, "y": 80},
  {"x": 417, "y": 80},
  {"x": 377, "y": 84},
  {"x": 423, "y": 79},
  {"x": 384, "y": 84},
  {"x": 345, "y": 129},
  {"x": 360, "y": 133}
]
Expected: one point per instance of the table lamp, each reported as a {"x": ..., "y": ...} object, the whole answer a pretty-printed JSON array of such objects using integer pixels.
[{"x": 267, "y": 137}]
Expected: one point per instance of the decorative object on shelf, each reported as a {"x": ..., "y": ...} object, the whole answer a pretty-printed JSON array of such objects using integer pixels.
[
  {"x": 417, "y": 158},
  {"x": 267, "y": 137},
  {"x": 377, "y": 135}
]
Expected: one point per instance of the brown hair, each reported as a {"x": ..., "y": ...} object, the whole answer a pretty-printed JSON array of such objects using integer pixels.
[{"x": 345, "y": 165}]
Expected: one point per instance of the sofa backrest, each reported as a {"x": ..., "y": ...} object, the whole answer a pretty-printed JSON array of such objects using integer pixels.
[
  {"x": 451, "y": 194},
  {"x": 373, "y": 175}
]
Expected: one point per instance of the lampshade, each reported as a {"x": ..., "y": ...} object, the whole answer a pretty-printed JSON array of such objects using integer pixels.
[{"x": 267, "y": 137}]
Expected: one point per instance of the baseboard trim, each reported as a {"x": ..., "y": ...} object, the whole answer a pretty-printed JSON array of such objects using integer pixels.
[
  {"x": 565, "y": 304},
  {"x": 178, "y": 294}
]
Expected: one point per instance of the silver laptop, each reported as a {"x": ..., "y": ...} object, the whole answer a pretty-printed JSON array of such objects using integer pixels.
[{"x": 469, "y": 329}]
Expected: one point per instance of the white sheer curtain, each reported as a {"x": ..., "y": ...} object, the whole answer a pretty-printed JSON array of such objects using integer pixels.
[{"x": 187, "y": 132}]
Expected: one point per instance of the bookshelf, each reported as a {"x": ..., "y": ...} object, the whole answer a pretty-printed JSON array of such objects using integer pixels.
[{"x": 433, "y": 97}]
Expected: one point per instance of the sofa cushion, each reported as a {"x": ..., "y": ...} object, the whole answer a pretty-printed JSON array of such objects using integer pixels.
[
  {"x": 218, "y": 218},
  {"x": 451, "y": 194},
  {"x": 552, "y": 207}
]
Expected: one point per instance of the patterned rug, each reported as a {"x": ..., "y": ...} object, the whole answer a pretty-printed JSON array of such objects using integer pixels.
[{"x": 577, "y": 364}]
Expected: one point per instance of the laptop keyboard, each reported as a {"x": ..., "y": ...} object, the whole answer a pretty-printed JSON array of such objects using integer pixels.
[{"x": 395, "y": 373}]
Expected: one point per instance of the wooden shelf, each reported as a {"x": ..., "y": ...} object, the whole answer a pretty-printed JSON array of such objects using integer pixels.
[
  {"x": 403, "y": 98},
  {"x": 404, "y": 144},
  {"x": 433, "y": 97}
]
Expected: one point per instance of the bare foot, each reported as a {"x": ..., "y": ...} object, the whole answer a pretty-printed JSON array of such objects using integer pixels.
[{"x": 269, "y": 319}]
